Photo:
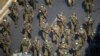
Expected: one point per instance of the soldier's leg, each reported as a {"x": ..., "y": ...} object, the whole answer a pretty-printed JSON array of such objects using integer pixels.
[
  {"x": 6, "y": 50},
  {"x": 35, "y": 52}
]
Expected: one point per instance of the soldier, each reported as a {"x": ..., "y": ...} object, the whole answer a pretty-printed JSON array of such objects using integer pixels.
[
  {"x": 14, "y": 12},
  {"x": 93, "y": 34},
  {"x": 28, "y": 15},
  {"x": 1, "y": 37},
  {"x": 89, "y": 26},
  {"x": 70, "y": 2},
  {"x": 42, "y": 15},
  {"x": 6, "y": 39},
  {"x": 61, "y": 17},
  {"x": 81, "y": 37},
  {"x": 20, "y": 2},
  {"x": 56, "y": 33},
  {"x": 33, "y": 3},
  {"x": 88, "y": 5},
  {"x": 61, "y": 21},
  {"x": 5, "y": 25},
  {"x": 68, "y": 34},
  {"x": 37, "y": 47},
  {"x": 25, "y": 45},
  {"x": 78, "y": 46},
  {"x": 28, "y": 27},
  {"x": 46, "y": 31},
  {"x": 48, "y": 48},
  {"x": 27, "y": 31},
  {"x": 23, "y": 2},
  {"x": 48, "y": 2},
  {"x": 75, "y": 22},
  {"x": 43, "y": 12},
  {"x": 82, "y": 33},
  {"x": 6, "y": 43},
  {"x": 64, "y": 48},
  {"x": 42, "y": 21}
]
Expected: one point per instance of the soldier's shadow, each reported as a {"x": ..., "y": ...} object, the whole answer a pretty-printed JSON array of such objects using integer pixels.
[
  {"x": 84, "y": 7},
  {"x": 1, "y": 46},
  {"x": 13, "y": 18},
  {"x": 38, "y": 16},
  {"x": 45, "y": 2},
  {"x": 51, "y": 36},
  {"x": 40, "y": 33}
]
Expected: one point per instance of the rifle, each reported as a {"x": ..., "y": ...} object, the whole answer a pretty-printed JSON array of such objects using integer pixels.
[{"x": 54, "y": 31}]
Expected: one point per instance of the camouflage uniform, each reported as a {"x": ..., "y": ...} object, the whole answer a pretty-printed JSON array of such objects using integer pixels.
[
  {"x": 78, "y": 46},
  {"x": 25, "y": 45},
  {"x": 28, "y": 30},
  {"x": 61, "y": 21},
  {"x": 42, "y": 21},
  {"x": 6, "y": 26},
  {"x": 6, "y": 43},
  {"x": 48, "y": 2},
  {"x": 89, "y": 5},
  {"x": 6, "y": 39},
  {"x": 68, "y": 34},
  {"x": 82, "y": 33},
  {"x": 75, "y": 22},
  {"x": 37, "y": 47},
  {"x": 80, "y": 41},
  {"x": 33, "y": 4},
  {"x": 42, "y": 15},
  {"x": 48, "y": 48},
  {"x": 64, "y": 48},
  {"x": 56, "y": 33},
  {"x": 28, "y": 15},
  {"x": 89, "y": 26},
  {"x": 23, "y": 2},
  {"x": 46, "y": 31},
  {"x": 14, "y": 12}
]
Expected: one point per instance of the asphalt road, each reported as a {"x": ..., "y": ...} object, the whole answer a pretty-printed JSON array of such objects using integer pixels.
[{"x": 57, "y": 6}]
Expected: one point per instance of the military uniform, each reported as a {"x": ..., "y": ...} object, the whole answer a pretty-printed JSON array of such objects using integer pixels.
[
  {"x": 43, "y": 11},
  {"x": 61, "y": 21},
  {"x": 89, "y": 26},
  {"x": 5, "y": 39},
  {"x": 78, "y": 46},
  {"x": 68, "y": 34},
  {"x": 28, "y": 15},
  {"x": 48, "y": 2},
  {"x": 23, "y": 2},
  {"x": 42, "y": 21},
  {"x": 37, "y": 47},
  {"x": 64, "y": 48},
  {"x": 33, "y": 4},
  {"x": 27, "y": 31},
  {"x": 48, "y": 48},
  {"x": 14, "y": 12},
  {"x": 6, "y": 26},
  {"x": 56, "y": 33},
  {"x": 25, "y": 45},
  {"x": 42, "y": 15},
  {"x": 46, "y": 31},
  {"x": 75, "y": 22},
  {"x": 6, "y": 42},
  {"x": 88, "y": 6},
  {"x": 82, "y": 33}
]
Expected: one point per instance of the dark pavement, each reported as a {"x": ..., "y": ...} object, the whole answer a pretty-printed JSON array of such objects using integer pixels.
[{"x": 57, "y": 6}]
